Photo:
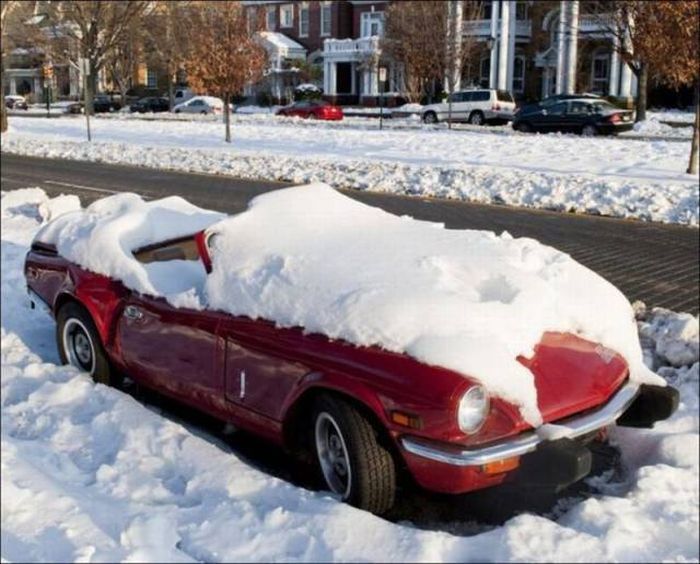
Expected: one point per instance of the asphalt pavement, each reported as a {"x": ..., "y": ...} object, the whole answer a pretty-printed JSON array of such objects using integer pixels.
[{"x": 652, "y": 262}]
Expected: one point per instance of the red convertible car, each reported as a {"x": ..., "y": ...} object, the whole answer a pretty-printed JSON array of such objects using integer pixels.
[
  {"x": 365, "y": 413},
  {"x": 312, "y": 110}
]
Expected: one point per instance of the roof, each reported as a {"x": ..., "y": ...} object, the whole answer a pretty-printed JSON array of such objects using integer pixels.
[{"x": 278, "y": 44}]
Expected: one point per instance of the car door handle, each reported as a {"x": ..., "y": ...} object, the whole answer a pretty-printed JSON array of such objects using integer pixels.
[{"x": 132, "y": 312}]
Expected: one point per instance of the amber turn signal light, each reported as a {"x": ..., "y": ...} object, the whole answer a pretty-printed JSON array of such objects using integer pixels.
[
  {"x": 406, "y": 420},
  {"x": 500, "y": 466}
]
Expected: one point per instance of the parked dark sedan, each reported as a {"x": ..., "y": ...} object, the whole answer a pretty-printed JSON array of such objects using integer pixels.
[
  {"x": 587, "y": 116},
  {"x": 103, "y": 104},
  {"x": 150, "y": 104}
]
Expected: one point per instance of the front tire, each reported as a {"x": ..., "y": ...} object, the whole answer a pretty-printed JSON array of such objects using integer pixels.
[
  {"x": 430, "y": 118},
  {"x": 353, "y": 463},
  {"x": 79, "y": 343}
]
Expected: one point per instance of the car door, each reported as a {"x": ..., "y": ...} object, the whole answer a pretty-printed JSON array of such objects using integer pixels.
[
  {"x": 171, "y": 349},
  {"x": 259, "y": 373},
  {"x": 577, "y": 113},
  {"x": 460, "y": 106},
  {"x": 195, "y": 106},
  {"x": 552, "y": 118}
]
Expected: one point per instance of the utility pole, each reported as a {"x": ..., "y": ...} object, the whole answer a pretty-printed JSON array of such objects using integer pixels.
[{"x": 85, "y": 70}]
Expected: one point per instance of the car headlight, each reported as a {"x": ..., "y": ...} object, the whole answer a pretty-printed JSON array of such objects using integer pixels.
[{"x": 473, "y": 409}]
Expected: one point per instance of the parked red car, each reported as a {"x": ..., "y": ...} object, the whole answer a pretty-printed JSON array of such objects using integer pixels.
[
  {"x": 312, "y": 110},
  {"x": 364, "y": 413}
]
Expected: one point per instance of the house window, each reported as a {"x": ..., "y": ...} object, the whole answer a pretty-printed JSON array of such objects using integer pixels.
[
  {"x": 271, "y": 18},
  {"x": 372, "y": 23},
  {"x": 519, "y": 74},
  {"x": 287, "y": 15},
  {"x": 326, "y": 19},
  {"x": 486, "y": 10},
  {"x": 151, "y": 78},
  {"x": 521, "y": 11},
  {"x": 304, "y": 20},
  {"x": 485, "y": 72},
  {"x": 601, "y": 72}
]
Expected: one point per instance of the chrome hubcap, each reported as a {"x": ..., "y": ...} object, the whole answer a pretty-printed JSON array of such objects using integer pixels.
[
  {"x": 78, "y": 346},
  {"x": 333, "y": 455}
]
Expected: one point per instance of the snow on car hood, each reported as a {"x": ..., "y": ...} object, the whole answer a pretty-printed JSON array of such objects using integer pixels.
[
  {"x": 470, "y": 301},
  {"x": 307, "y": 256},
  {"x": 102, "y": 236}
]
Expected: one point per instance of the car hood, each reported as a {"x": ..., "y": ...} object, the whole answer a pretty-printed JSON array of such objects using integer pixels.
[{"x": 573, "y": 374}]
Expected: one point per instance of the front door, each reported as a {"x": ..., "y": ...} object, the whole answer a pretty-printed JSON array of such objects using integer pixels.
[{"x": 172, "y": 349}]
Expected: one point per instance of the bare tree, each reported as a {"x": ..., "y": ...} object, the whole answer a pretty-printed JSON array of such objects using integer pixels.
[
  {"x": 123, "y": 59},
  {"x": 8, "y": 9},
  {"x": 225, "y": 54},
  {"x": 676, "y": 56},
  {"x": 410, "y": 39},
  {"x": 167, "y": 32},
  {"x": 636, "y": 33},
  {"x": 97, "y": 28}
]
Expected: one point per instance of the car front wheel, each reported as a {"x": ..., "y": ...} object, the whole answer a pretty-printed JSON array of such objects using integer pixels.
[
  {"x": 353, "y": 463},
  {"x": 430, "y": 117},
  {"x": 79, "y": 343}
]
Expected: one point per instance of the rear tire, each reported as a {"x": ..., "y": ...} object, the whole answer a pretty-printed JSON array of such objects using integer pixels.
[
  {"x": 476, "y": 118},
  {"x": 79, "y": 344},
  {"x": 430, "y": 117},
  {"x": 352, "y": 462},
  {"x": 589, "y": 130}
]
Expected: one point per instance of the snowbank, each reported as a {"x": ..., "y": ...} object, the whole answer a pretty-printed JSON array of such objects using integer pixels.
[
  {"x": 654, "y": 127},
  {"x": 617, "y": 177},
  {"x": 310, "y": 257},
  {"x": 88, "y": 473}
]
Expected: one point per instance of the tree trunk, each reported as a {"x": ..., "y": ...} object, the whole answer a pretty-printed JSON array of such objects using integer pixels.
[
  {"x": 227, "y": 117},
  {"x": 693, "y": 164},
  {"x": 3, "y": 111},
  {"x": 171, "y": 90},
  {"x": 642, "y": 80},
  {"x": 90, "y": 84}
]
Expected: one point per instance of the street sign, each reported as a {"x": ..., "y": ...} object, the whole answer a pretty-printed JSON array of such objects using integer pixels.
[
  {"x": 382, "y": 74},
  {"x": 84, "y": 65}
]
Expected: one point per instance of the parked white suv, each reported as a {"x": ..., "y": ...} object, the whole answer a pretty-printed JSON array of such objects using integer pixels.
[{"x": 473, "y": 106}]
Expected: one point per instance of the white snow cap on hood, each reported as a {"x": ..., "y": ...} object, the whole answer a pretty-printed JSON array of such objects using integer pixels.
[{"x": 466, "y": 300}]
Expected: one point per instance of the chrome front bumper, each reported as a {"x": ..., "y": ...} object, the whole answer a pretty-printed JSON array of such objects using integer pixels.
[{"x": 524, "y": 443}]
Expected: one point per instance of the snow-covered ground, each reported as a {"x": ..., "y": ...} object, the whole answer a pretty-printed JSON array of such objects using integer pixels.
[
  {"x": 638, "y": 179},
  {"x": 89, "y": 473}
]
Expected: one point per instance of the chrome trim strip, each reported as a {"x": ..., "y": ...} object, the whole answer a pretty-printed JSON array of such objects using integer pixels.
[{"x": 527, "y": 442}]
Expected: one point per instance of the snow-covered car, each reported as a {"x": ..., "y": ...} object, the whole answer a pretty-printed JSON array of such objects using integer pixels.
[
  {"x": 15, "y": 102},
  {"x": 477, "y": 107},
  {"x": 377, "y": 344},
  {"x": 200, "y": 105}
]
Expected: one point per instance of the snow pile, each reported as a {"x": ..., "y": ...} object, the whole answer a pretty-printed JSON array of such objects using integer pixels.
[
  {"x": 671, "y": 339},
  {"x": 101, "y": 238},
  {"x": 469, "y": 301},
  {"x": 654, "y": 127},
  {"x": 617, "y": 177},
  {"x": 88, "y": 473}
]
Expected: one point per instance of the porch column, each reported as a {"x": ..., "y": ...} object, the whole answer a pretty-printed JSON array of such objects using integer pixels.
[
  {"x": 332, "y": 85},
  {"x": 38, "y": 89},
  {"x": 504, "y": 55},
  {"x": 374, "y": 79},
  {"x": 326, "y": 76},
  {"x": 511, "y": 45},
  {"x": 614, "y": 69},
  {"x": 493, "y": 72},
  {"x": 353, "y": 79},
  {"x": 572, "y": 47},
  {"x": 561, "y": 46},
  {"x": 13, "y": 86},
  {"x": 626, "y": 81}
]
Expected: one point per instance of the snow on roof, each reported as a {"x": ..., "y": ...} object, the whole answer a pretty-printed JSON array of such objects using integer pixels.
[
  {"x": 278, "y": 43},
  {"x": 310, "y": 257},
  {"x": 102, "y": 236},
  {"x": 470, "y": 301}
]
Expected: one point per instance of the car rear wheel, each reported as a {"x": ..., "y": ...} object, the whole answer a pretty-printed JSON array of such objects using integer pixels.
[
  {"x": 589, "y": 130},
  {"x": 430, "y": 117},
  {"x": 353, "y": 463},
  {"x": 177, "y": 111},
  {"x": 79, "y": 343},
  {"x": 476, "y": 118}
]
